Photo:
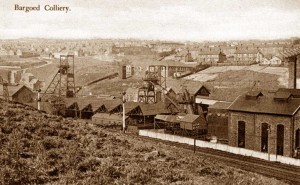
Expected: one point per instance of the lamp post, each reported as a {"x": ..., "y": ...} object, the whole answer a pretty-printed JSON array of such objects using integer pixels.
[
  {"x": 38, "y": 99},
  {"x": 123, "y": 104},
  {"x": 269, "y": 134}
]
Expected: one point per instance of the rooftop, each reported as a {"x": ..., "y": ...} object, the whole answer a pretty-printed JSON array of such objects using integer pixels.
[{"x": 266, "y": 105}]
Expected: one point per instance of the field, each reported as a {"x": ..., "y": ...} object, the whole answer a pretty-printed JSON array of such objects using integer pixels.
[
  {"x": 88, "y": 69},
  {"x": 20, "y": 62},
  {"x": 241, "y": 76},
  {"x": 37, "y": 148}
]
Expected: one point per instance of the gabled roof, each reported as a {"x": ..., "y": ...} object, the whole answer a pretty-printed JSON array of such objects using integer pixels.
[
  {"x": 20, "y": 89},
  {"x": 112, "y": 104},
  {"x": 265, "y": 105},
  {"x": 12, "y": 89},
  {"x": 254, "y": 94}
]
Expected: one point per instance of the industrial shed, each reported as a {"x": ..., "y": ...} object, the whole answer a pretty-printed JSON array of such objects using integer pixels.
[
  {"x": 265, "y": 122},
  {"x": 171, "y": 123},
  {"x": 72, "y": 109},
  {"x": 141, "y": 113},
  {"x": 193, "y": 125},
  {"x": 21, "y": 94}
]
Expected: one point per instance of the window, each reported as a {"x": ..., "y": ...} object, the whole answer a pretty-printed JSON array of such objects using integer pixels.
[
  {"x": 241, "y": 134},
  {"x": 280, "y": 140},
  {"x": 297, "y": 138},
  {"x": 264, "y": 137}
]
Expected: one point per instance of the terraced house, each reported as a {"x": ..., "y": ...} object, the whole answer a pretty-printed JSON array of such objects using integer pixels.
[{"x": 247, "y": 56}]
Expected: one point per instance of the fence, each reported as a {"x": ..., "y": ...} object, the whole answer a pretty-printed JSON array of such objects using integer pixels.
[{"x": 218, "y": 146}]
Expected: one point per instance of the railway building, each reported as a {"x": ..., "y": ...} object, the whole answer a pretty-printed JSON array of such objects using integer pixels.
[
  {"x": 20, "y": 93},
  {"x": 265, "y": 122}
]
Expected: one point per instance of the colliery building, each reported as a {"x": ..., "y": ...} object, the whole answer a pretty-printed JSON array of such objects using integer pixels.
[{"x": 265, "y": 122}]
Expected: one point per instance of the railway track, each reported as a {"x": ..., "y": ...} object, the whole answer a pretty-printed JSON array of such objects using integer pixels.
[{"x": 288, "y": 173}]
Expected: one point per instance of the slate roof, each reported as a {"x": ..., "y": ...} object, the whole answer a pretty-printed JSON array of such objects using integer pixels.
[
  {"x": 265, "y": 105},
  {"x": 294, "y": 92},
  {"x": 220, "y": 105}
]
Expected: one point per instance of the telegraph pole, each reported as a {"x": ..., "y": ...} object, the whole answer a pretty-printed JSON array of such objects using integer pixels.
[
  {"x": 269, "y": 134},
  {"x": 123, "y": 103},
  {"x": 39, "y": 99}
]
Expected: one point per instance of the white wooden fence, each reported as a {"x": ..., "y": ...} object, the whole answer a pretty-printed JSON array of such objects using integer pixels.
[{"x": 218, "y": 146}]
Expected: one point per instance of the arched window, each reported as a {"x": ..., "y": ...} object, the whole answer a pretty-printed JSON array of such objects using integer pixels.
[
  {"x": 264, "y": 137},
  {"x": 280, "y": 140},
  {"x": 241, "y": 134},
  {"x": 297, "y": 138}
]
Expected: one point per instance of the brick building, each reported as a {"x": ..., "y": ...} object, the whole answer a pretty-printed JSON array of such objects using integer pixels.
[
  {"x": 265, "y": 122},
  {"x": 211, "y": 57},
  {"x": 247, "y": 56}
]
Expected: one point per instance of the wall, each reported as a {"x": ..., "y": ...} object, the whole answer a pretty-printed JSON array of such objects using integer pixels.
[
  {"x": 23, "y": 96},
  {"x": 218, "y": 123},
  {"x": 253, "y": 131},
  {"x": 217, "y": 146},
  {"x": 273, "y": 121},
  {"x": 233, "y": 129}
]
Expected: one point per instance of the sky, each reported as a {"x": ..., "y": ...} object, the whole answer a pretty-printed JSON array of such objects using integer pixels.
[{"x": 191, "y": 20}]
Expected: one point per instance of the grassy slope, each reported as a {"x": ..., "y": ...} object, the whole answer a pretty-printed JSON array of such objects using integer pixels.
[{"x": 42, "y": 149}]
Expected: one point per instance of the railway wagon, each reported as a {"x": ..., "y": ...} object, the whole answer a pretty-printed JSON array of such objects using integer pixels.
[{"x": 193, "y": 125}]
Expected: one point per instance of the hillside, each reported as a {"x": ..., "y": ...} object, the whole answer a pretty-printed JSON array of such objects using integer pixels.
[{"x": 37, "y": 148}]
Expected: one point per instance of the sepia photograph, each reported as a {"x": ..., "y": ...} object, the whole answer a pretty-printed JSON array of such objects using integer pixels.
[{"x": 134, "y": 92}]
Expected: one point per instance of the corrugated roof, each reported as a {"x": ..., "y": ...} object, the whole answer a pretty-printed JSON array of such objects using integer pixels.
[{"x": 265, "y": 105}]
